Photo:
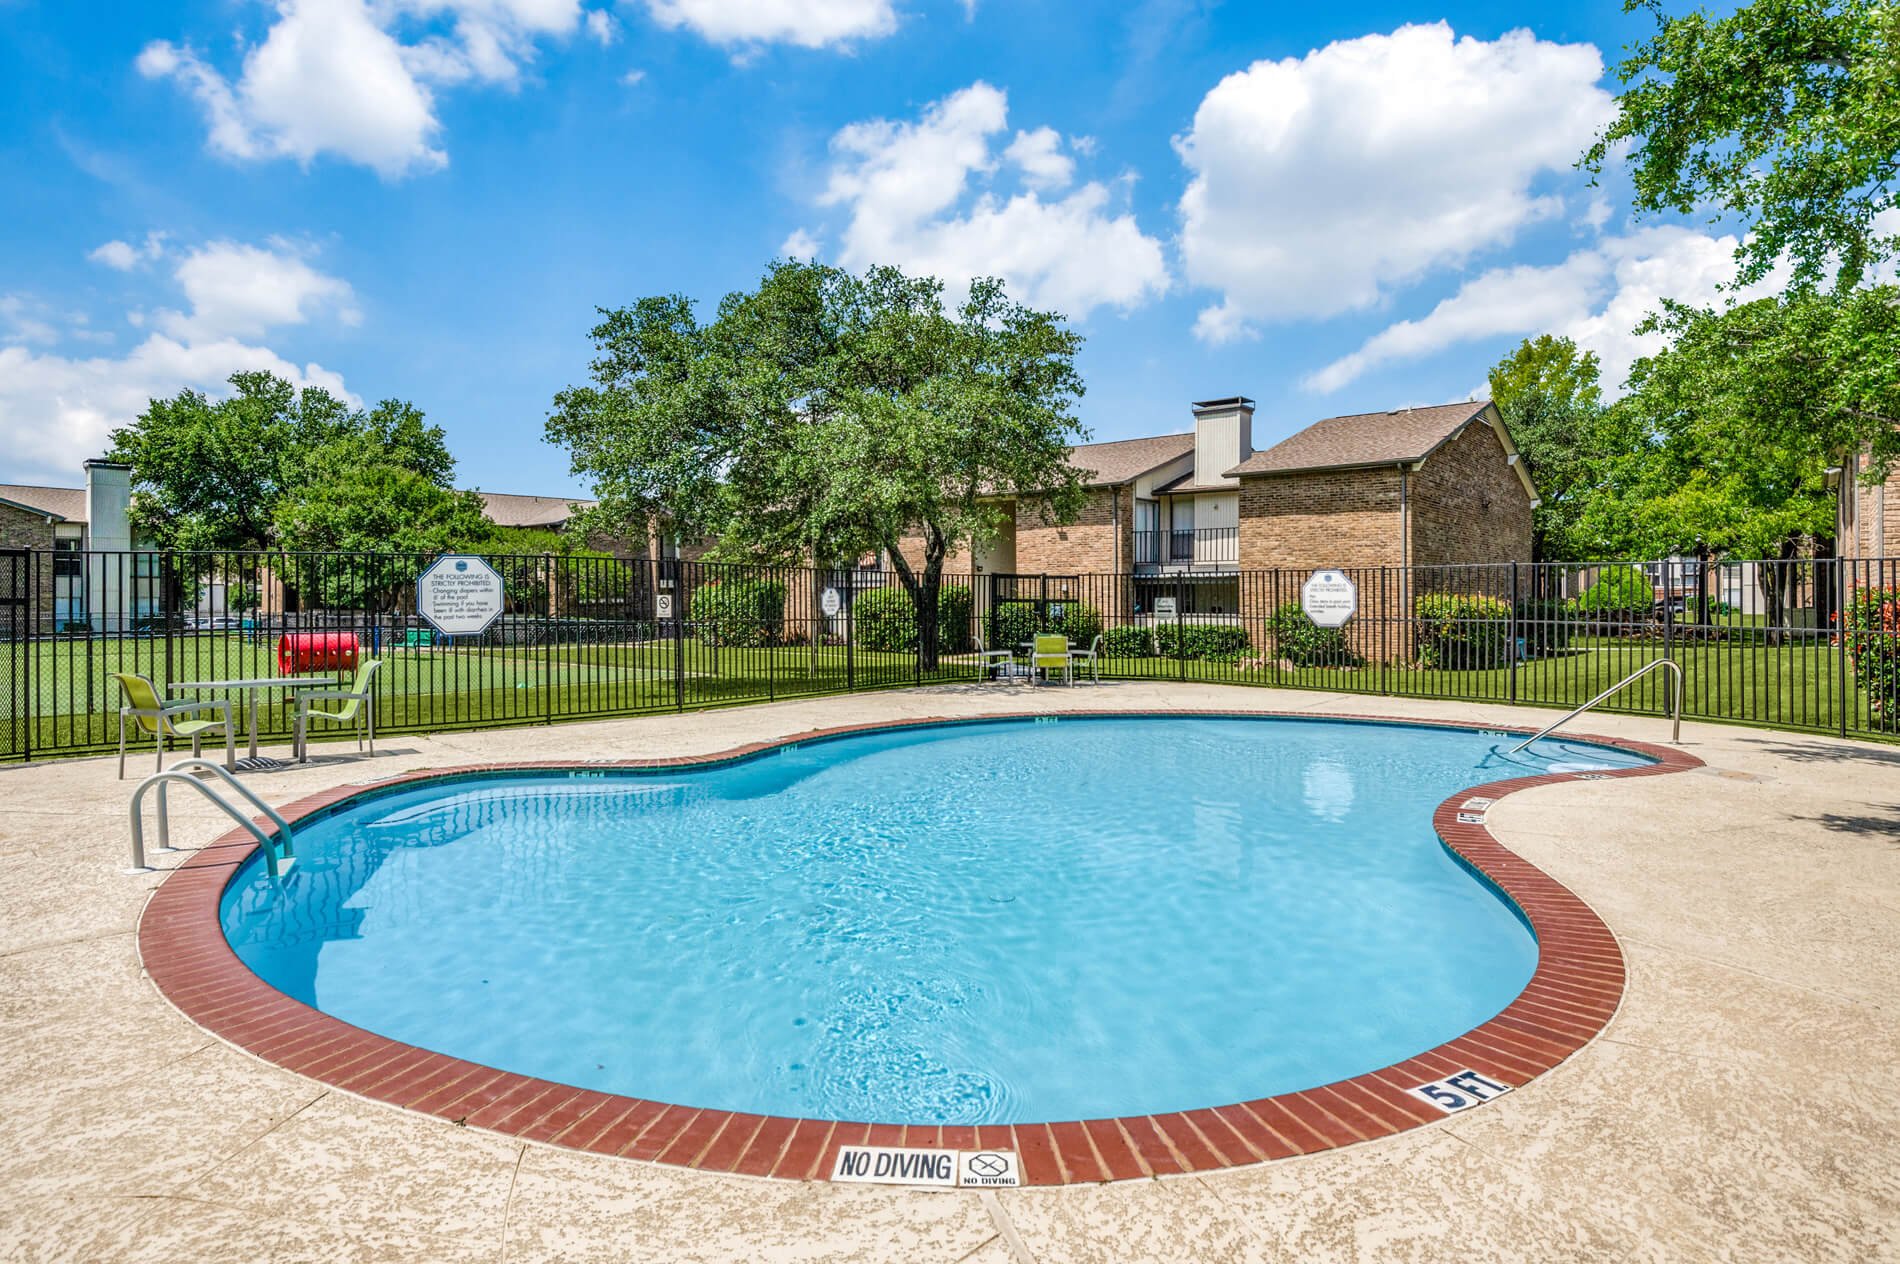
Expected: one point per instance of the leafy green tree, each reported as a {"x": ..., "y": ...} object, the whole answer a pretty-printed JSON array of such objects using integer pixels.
[
  {"x": 1785, "y": 112},
  {"x": 1547, "y": 366},
  {"x": 211, "y": 474},
  {"x": 1724, "y": 441},
  {"x": 383, "y": 519},
  {"x": 826, "y": 414},
  {"x": 1548, "y": 394}
]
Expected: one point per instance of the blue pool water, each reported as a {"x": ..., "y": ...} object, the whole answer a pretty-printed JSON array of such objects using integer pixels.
[{"x": 1004, "y": 922}]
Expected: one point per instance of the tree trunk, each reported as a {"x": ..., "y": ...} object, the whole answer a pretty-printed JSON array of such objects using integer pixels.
[{"x": 923, "y": 590}]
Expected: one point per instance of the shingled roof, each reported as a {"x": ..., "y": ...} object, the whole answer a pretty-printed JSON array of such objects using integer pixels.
[
  {"x": 1362, "y": 439},
  {"x": 507, "y": 510},
  {"x": 68, "y": 503},
  {"x": 1109, "y": 464}
]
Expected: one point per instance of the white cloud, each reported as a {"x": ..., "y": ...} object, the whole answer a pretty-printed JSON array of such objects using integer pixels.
[
  {"x": 116, "y": 254},
  {"x": 602, "y": 29},
  {"x": 22, "y": 322},
  {"x": 632, "y": 77},
  {"x": 806, "y": 23},
  {"x": 242, "y": 291},
  {"x": 1596, "y": 296},
  {"x": 1318, "y": 183},
  {"x": 332, "y": 77},
  {"x": 124, "y": 256},
  {"x": 1039, "y": 154},
  {"x": 906, "y": 188},
  {"x": 57, "y": 410},
  {"x": 800, "y": 245}
]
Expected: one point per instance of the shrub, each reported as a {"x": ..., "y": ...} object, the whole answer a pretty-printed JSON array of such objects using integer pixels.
[
  {"x": 1872, "y": 628},
  {"x": 1077, "y": 620},
  {"x": 1203, "y": 642},
  {"x": 1014, "y": 622},
  {"x": 1621, "y": 590},
  {"x": 1304, "y": 643},
  {"x": 885, "y": 620},
  {"x": 1545, "y": 627},
  {"x": 740, "y": 612},
  {"x": 1462, "y": 631},
  {"x": 1128, "y": 642}
]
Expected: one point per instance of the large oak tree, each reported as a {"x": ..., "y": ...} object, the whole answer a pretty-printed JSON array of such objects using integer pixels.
[{"x": 825, "y": 414}]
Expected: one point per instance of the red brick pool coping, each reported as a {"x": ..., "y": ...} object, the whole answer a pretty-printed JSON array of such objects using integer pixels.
[{"x": 1573, "y": 993}]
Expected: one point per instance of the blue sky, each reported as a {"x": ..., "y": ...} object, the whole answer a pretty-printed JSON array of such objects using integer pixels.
[{"x": 1332, "y": 209}]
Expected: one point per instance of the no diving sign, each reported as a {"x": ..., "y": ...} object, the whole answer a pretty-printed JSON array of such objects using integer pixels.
[{"x": 941, "y": 1169}]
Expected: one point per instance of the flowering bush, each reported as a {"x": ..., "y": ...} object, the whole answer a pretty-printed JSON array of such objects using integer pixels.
[
  {"x": 1459, "y": 631},
  {"x": 1872, "y": 628}
]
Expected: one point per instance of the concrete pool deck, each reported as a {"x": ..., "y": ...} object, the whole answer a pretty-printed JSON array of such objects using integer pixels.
[{"x": 1744, "y": 1103}]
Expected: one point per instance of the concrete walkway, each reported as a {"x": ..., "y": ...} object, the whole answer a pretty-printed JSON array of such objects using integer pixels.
[{"x": 1744, "y": 1104}]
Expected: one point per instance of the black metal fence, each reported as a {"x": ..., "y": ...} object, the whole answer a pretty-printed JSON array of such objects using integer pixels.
[{"x": 1802, "y": 644}]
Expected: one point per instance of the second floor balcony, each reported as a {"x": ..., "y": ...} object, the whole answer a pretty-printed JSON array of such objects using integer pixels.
[{"x": 1204, "y": 549}]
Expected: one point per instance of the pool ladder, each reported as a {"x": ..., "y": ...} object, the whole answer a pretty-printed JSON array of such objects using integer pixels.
[
  {"x": 278, "y": 856},
  {"x": 1675, "y": 735}
]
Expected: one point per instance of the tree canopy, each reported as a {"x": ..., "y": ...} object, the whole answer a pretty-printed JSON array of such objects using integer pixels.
[
  {"x": 1547, "y": 393},
  {"x": 1785, "y": 112},
  {"x": 825, "y": 414},
  {"x": 1725, "y": 438},
  {"x": 220, "y": 474}
]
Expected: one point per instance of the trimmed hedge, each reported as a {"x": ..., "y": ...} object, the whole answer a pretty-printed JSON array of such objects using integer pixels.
[
  {"x": 1128, "y": 642},
  {"x": 1873, "y": 642},
  {"x": 740, "y": 612},
  {"x": 1202, "y": 642},
  {"x": 1461, "y": 631},
  {"x": 1014, "y": 622},
  {"x": 885, "y": 620},
  {"x": 1303, "y": 643}
]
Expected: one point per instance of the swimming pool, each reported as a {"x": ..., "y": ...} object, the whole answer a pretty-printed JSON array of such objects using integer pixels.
[{"x": 961, "y": 924}]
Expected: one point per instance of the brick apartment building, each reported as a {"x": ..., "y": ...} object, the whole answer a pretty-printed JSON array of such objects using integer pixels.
[{"x": 1416, "y": 486}]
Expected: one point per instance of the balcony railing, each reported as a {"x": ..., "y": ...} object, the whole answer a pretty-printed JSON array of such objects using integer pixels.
[{"x": 1210, "y": 548}]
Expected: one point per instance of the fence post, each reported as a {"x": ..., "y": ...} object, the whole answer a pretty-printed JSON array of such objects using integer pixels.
[
  {"x": 850, "y": 634},
  {"x": 1511, "y": 643},
  {"x": 679, "y": 638},
  {"x": 1669, "y": 623},
  {"x": 1843, "y": 699}
]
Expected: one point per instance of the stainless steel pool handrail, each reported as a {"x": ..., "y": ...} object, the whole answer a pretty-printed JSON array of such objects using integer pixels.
[
  {"x": 1675, "y": 735},
  {"x": 276, "y": 860}
]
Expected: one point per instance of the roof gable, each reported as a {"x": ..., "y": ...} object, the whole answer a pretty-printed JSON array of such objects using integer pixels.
[
  {"x": 66, "y": 503},
  {"x": 1362, "y": 439},
  {"x": 1122, "y": 461}
]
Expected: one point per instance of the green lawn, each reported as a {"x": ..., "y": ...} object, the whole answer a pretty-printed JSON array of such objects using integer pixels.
[{"x": 1795, "y": 686}]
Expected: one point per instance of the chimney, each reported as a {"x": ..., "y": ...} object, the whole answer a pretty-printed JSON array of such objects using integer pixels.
[
  {"x": 109, "y": 539},
  {"x": 1223, "y": 438}
]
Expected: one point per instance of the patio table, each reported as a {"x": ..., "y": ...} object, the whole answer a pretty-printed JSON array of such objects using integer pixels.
[{"x": 252, "y": 761}]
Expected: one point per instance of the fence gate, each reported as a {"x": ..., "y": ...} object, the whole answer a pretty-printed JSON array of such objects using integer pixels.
[{"x": 16, "y": 653}]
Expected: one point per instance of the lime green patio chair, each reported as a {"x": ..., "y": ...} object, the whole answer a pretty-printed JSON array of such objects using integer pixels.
[
  {"x": 358, "y": 709},
  {"x": 1049, "y": 652},
  {"x": 159, "y": 718},
  {"x": 1092, "y": 656}
]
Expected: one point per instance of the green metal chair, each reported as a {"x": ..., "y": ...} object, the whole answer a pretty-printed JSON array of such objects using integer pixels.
[
  {"x": 1092, "y": 656},
  {"x": 1049, "y": 652},
  {"x": 158, "y": 718},
  {"x": 358, "y": 705}
]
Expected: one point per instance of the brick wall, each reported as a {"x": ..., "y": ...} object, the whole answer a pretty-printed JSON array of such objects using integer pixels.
[
  {"x": 1876, "y": 519},
  {"x": 23, "y": 529},
  {"x": 1468, "y": 504},
  {"x": 1318, "y": 519},
  {"x": 1096, "y": 542}
]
